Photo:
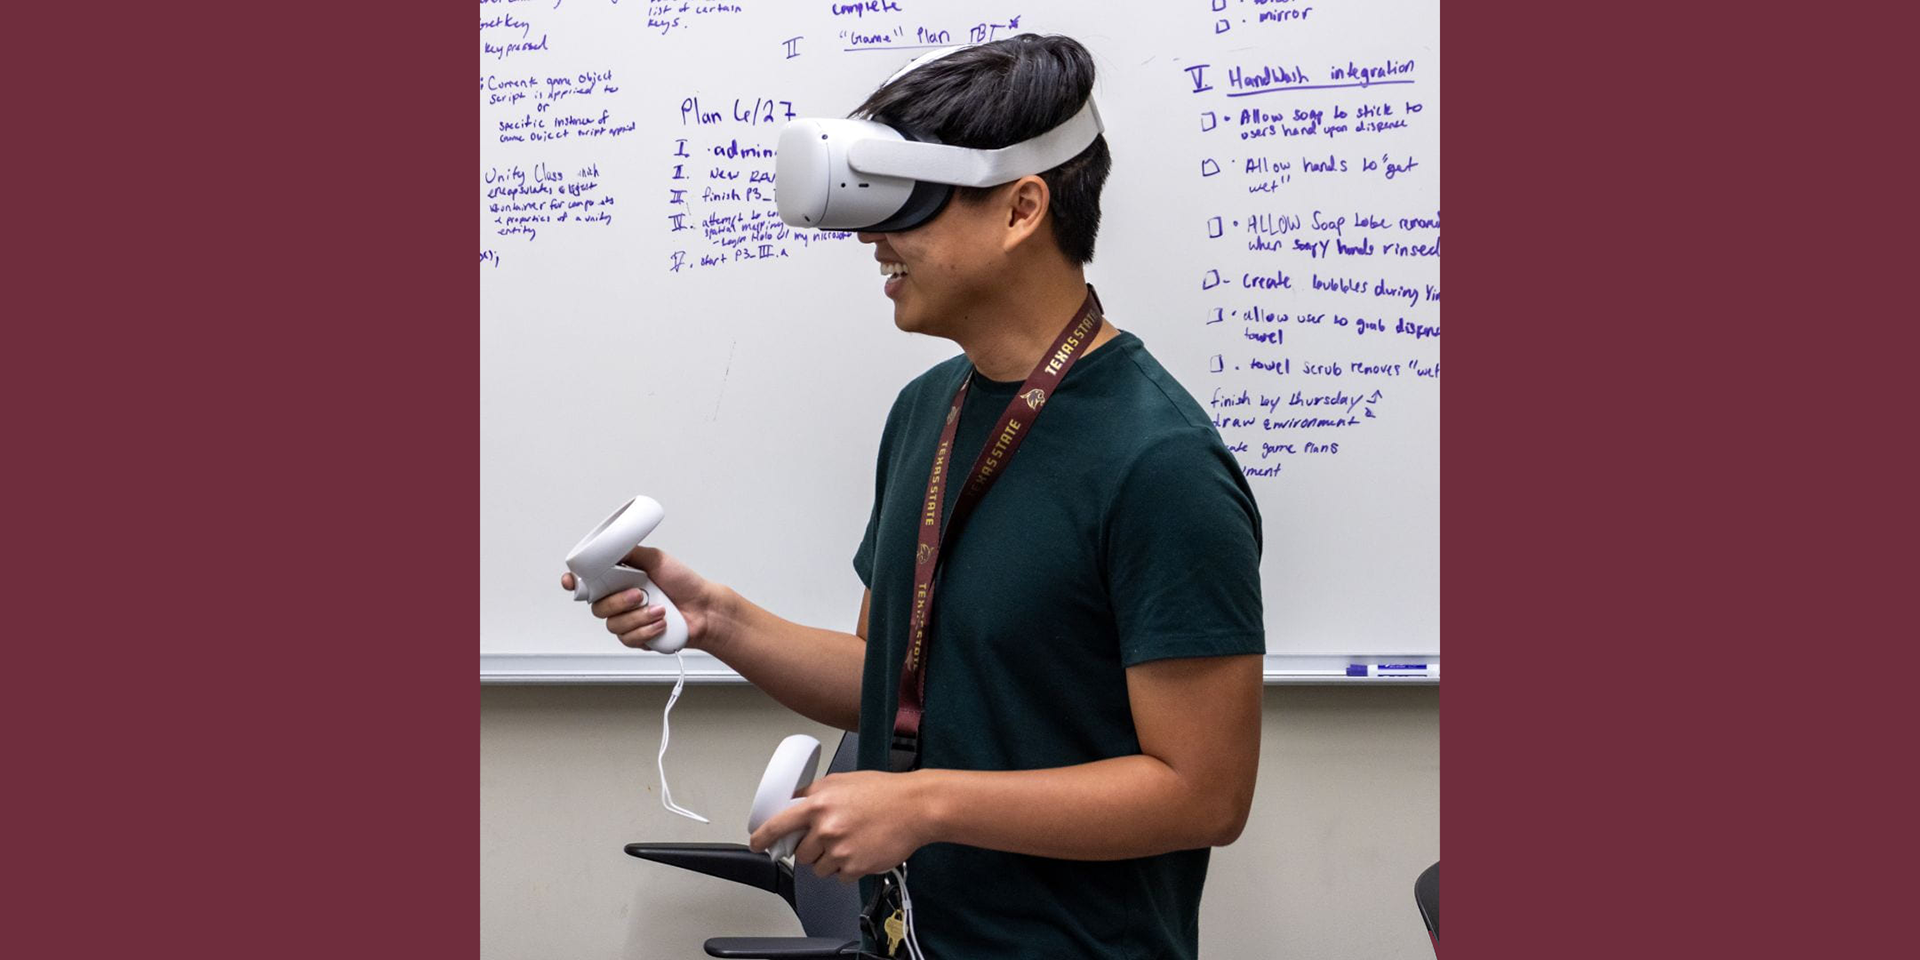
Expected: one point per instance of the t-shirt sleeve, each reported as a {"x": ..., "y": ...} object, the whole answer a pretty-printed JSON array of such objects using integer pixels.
[
  {"x": 863, "y": 557},
  {"x": 1183, "y": 554}
]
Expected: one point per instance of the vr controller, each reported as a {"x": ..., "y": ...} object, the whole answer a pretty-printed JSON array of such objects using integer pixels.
[
  {"x": 790, "y": 771},
  {"x": 599, "y": 570}
]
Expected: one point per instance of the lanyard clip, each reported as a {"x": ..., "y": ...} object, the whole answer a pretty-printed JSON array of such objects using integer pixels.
[
  {"x": 884, "y": 909},
  {"x": 904, "y": 754}
]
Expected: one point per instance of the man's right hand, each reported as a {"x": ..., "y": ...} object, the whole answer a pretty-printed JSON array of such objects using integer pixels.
[{"x": 698, "y": 598}]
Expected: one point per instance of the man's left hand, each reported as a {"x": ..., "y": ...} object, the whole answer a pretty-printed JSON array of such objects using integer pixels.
[{"x": 859, "y": 823}]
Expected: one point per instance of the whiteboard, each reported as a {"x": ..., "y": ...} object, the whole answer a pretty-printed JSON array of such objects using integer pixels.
[{"x": 1270, "y": 231}]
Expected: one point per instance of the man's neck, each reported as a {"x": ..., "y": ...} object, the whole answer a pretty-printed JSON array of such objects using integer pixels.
[{"x": 1012, "y": 337}]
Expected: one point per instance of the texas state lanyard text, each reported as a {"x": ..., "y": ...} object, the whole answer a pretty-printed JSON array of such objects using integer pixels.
[{"x": 1015, "y": 423}]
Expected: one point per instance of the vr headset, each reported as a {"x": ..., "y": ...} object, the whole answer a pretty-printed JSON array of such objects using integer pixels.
[{"x": 832, "y": 174}]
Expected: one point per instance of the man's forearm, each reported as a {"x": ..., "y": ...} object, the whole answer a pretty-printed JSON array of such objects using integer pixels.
[
  {"x": 812, "y": 671},
  {"x": 1114, "y": 809}
]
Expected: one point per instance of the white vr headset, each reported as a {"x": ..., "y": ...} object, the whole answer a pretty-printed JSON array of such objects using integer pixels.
[{"x": 833, "y": 174}]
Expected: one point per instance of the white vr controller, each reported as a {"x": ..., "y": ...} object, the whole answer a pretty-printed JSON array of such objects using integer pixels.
[
  {"x": 599, "y": 570},
  {"x": 790, "y": 771}
]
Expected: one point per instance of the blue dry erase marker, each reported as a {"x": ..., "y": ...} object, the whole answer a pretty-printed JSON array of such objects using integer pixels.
[{"x": 1393, "y": 669}]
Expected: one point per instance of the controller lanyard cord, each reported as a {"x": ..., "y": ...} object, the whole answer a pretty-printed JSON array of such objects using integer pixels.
[{"x": 666, "y": 793}]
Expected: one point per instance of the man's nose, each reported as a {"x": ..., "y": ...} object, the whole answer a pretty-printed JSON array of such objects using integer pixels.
[{"x": 866, "y": 237}]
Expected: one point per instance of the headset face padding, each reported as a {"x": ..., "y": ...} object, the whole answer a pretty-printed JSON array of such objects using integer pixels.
[{"x": 923, "y": 204}]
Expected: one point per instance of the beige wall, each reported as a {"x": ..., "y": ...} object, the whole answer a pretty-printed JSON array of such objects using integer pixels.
[{"x": 1346, "y": 815}]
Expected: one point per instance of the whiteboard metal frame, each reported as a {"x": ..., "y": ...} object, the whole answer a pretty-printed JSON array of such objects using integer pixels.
[{"x": 615, "y": 668}]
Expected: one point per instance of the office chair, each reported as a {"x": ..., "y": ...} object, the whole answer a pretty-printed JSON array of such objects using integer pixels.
[
  {"x": 1426, "y": 894},
  {"x": 829, "y": 910}
]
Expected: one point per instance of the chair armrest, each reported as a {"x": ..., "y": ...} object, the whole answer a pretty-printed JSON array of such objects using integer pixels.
[
  {"x": 782, "y": 948},
  {"x": 728, "y": 861}
]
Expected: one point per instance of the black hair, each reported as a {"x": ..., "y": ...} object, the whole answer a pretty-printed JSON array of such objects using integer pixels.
[{"x": 998, "y": 94}]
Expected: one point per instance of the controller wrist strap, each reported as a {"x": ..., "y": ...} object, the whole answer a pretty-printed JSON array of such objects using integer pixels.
[
  {"x": 1014, "y": 426},
  {"x": 666, "y": 731}
]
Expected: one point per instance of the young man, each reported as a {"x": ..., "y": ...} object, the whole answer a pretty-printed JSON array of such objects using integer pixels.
[{"x": 1092, "y": 666}]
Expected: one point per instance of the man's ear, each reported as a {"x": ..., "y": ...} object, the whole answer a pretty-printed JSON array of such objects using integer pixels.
[{"x": 1027, "y": 203}]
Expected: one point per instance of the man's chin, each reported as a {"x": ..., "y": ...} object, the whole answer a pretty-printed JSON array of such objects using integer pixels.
[
  {"x": 908, "y": 321},
  {"x": 912, "y": 316}
]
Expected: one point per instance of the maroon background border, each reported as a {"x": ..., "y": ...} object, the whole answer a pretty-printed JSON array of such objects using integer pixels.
[
  {"x": 243, "y": 325},
  {"x": 239, "y": 292},
  {"x": 1669, "y": 578}
]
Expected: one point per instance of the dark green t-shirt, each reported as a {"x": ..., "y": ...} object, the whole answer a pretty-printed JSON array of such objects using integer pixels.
[{"x": 1121, "y": 532}]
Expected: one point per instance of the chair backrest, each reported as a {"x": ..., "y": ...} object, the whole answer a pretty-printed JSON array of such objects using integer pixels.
[
  {"x": 827, "y": 907},
  {"x": 1426, "y": 893}
]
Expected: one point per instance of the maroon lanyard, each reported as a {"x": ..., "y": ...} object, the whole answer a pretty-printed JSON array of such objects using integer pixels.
[{"x": 1015, "y": 423}]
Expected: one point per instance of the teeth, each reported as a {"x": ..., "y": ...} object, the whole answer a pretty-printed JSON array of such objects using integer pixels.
[{"x": 893, "y": 269}]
